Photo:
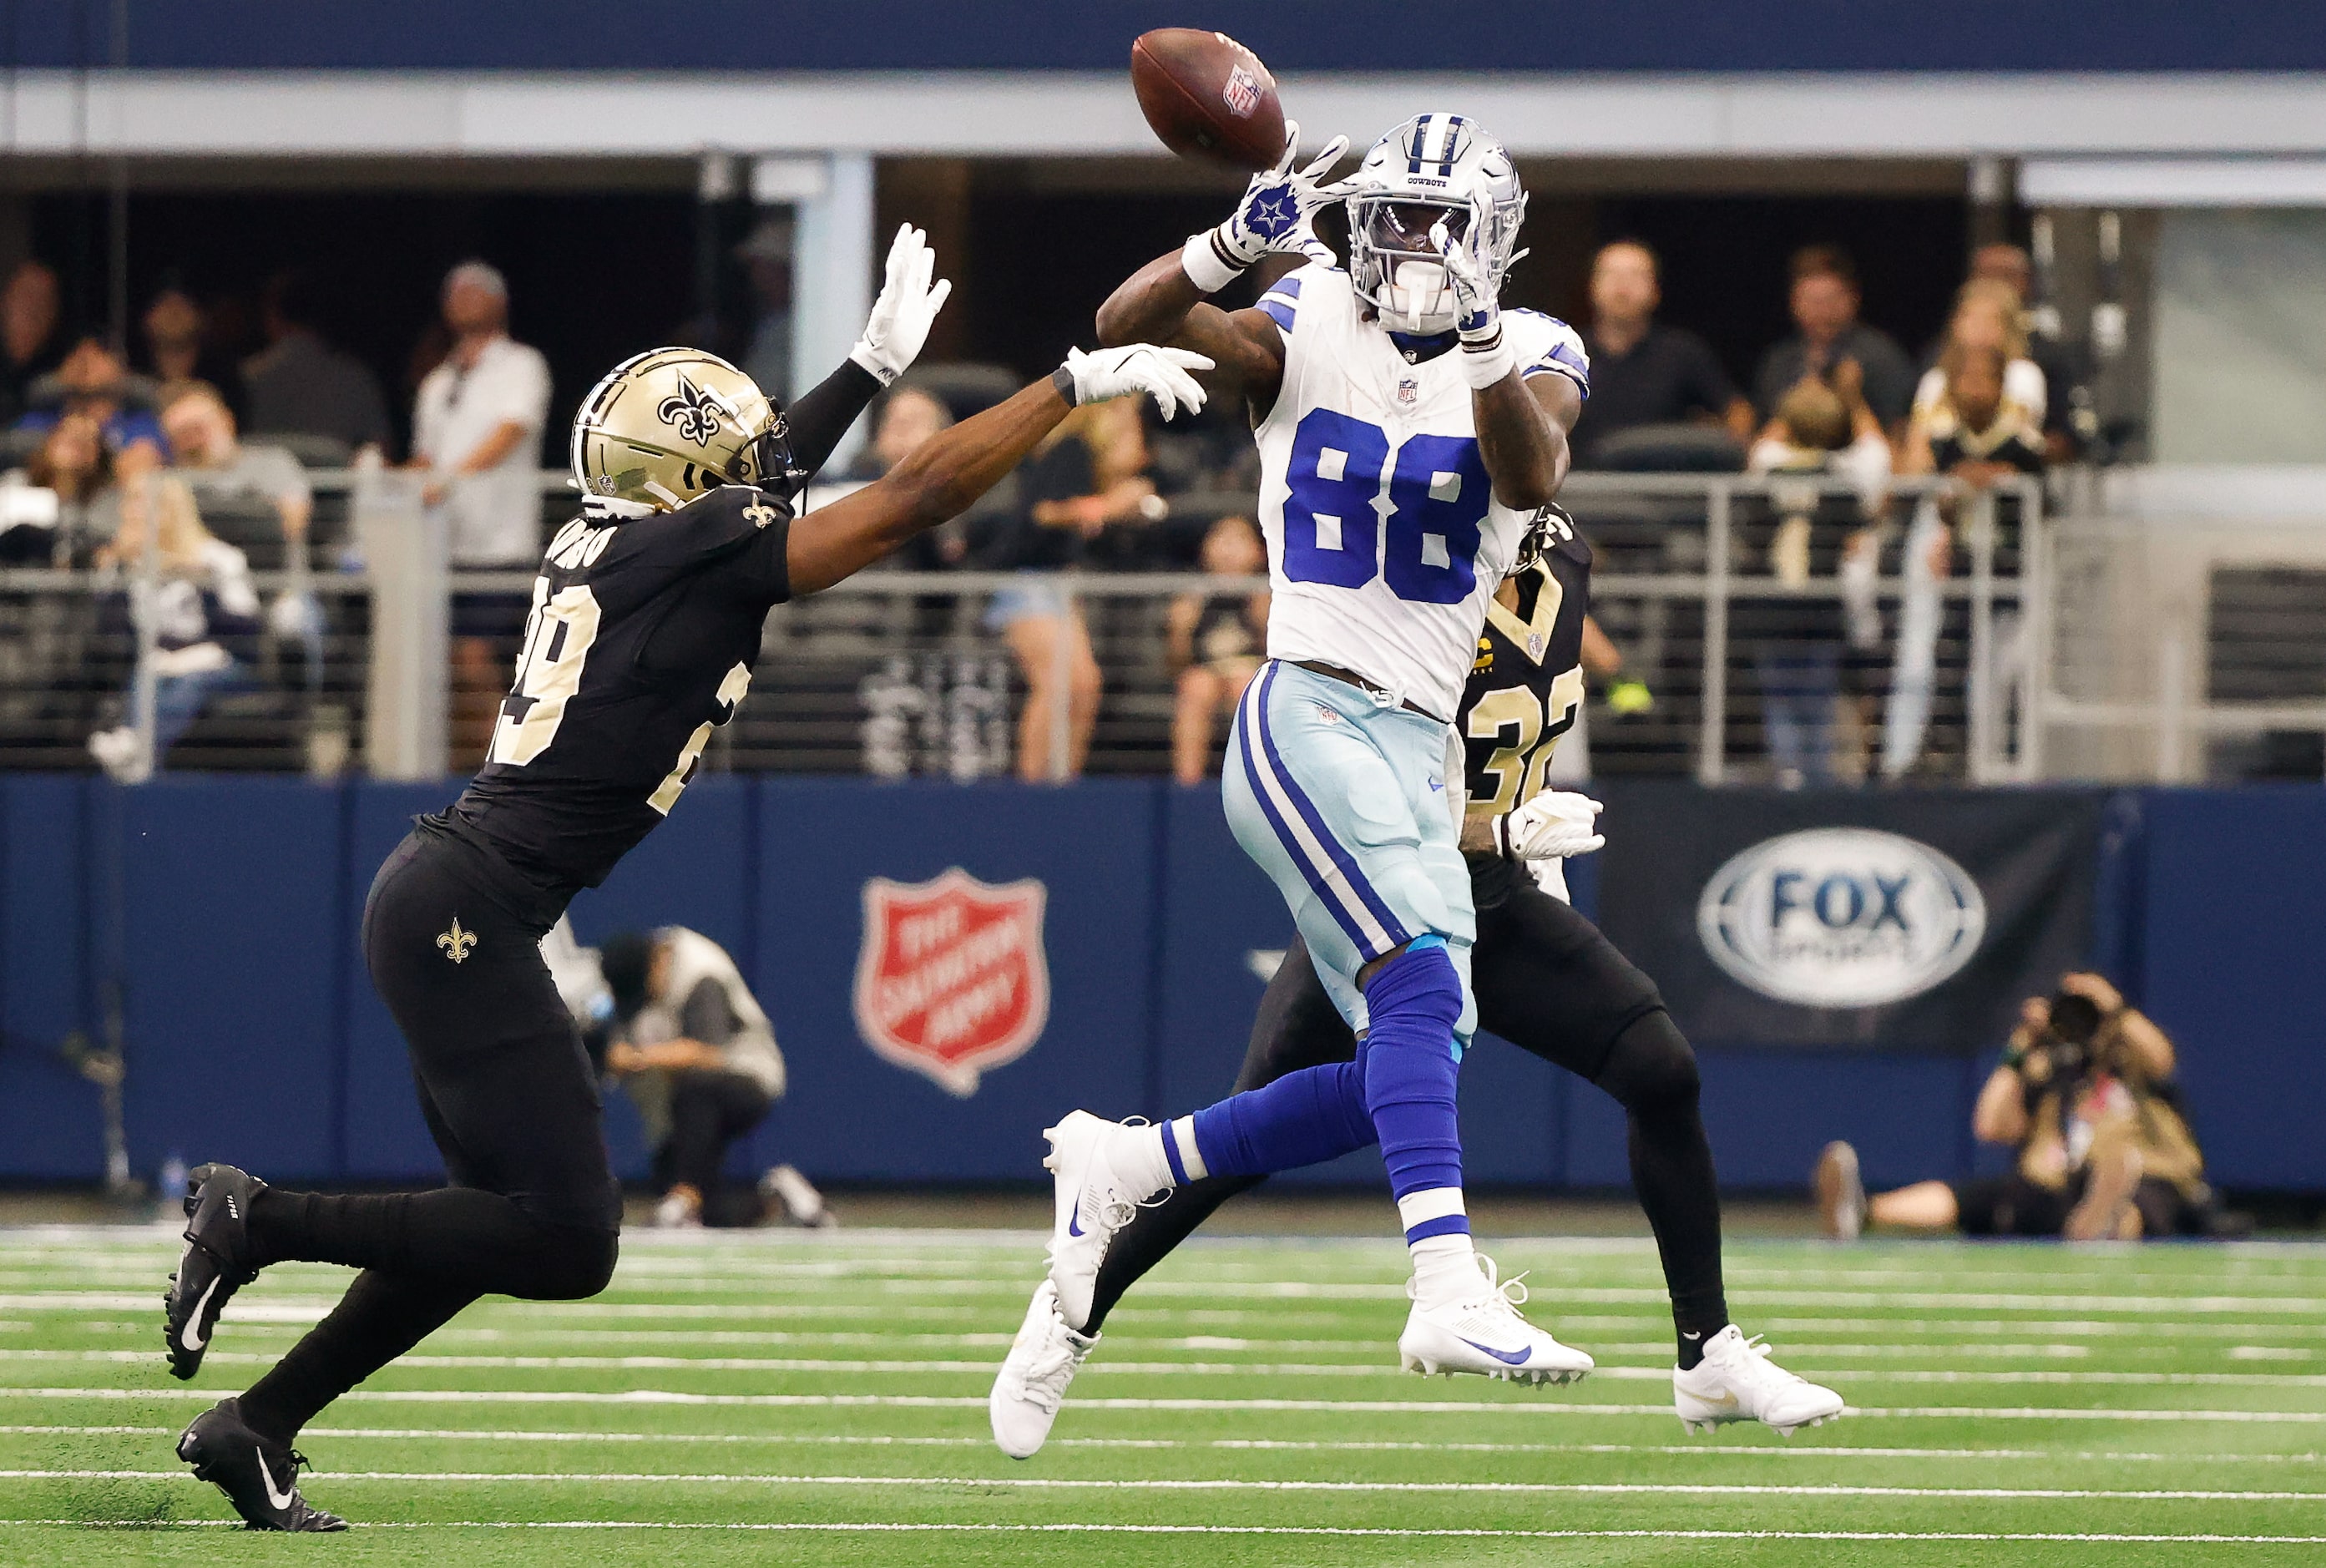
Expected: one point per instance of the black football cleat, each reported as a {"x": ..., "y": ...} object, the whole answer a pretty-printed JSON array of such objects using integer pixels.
[
  {"x": 214, "y": 1264},
  {"x": 258, "y": 1476}
]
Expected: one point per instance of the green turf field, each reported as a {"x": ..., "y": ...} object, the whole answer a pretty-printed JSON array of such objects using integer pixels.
[{"x": 781, "y": 1397}]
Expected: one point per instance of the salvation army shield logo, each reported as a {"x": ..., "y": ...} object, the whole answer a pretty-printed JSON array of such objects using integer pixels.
[
  {"x": 1841, "y": 917},
  {"x": 952, "y": 980}
]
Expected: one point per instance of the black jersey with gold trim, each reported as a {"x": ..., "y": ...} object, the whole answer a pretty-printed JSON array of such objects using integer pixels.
[
  {"x": 1526, "y": 687},
  {"x": 640, "y": 642}
]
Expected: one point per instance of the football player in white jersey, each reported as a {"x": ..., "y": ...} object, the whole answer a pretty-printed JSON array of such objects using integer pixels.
[{"x": 1410, "y": 431}]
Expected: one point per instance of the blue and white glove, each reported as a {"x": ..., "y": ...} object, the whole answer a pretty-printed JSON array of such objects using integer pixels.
[
  {"x": 1486, "y": 358},
  {"x": 909, "y": 304},
  {"x": 1556, "y": 825},
  {"x": 1161, "y": 374},
  {"x": 1278, "y": 213}
]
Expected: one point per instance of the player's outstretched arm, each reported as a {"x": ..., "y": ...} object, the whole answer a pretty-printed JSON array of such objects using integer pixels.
[
  {"x": 956, "y": 466},
  {"x": 1167, "y": 300},
  {"x": 1522, "y": 421},
  {"x": 911, "y": 296}
]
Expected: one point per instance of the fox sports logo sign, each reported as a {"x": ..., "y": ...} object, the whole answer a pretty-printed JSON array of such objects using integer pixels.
[{"x": 1841, "y": 917}]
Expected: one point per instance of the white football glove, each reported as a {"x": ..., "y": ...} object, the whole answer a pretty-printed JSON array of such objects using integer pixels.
[
  {"x": 1160, "y": 373},
  {"x": 908, "y": 303},
  {"x": 1477, "y": 313},
  {"x": 1554, "y": 825},
  {"x": 1277, "y": 213}
]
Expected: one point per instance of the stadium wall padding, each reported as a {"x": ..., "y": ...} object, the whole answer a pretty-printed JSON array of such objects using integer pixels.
[{"x": 224, "y": 912}]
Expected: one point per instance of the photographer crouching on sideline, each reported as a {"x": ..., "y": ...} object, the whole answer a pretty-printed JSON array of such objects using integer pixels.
[
  {"x": 667, "y": 1016},
  {"x": 2085, "y": 1094}
]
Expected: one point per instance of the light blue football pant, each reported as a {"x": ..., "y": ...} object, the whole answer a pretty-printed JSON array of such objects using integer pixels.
[{"x": 1343, "y": 802}]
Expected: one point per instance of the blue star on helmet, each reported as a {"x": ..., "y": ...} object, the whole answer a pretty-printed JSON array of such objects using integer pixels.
[{"x": 1272, "y": 214}]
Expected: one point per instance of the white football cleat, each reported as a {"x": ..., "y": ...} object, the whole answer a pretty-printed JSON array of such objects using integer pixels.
[
  {"x": 1736, "y": 1381},
  {"x": 1032, "y": 1382},
  {"x": 1840, "y": 1192},
  {"x": 1093, "y": 1200},
  {"x": 1486, "y": 1334}
]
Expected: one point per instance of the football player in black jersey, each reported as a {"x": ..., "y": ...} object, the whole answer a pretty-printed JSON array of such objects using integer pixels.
[
  {"x": 1547, "y": 981},
  {"x": 645, "y": 620}
]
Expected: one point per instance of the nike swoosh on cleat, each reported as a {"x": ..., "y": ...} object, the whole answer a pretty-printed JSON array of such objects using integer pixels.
[
  {"x": 190, "y": 1337},
  {"x": 1074, "y": 1221},
  {"x": 1725, "y": 1401},
  {"x": 1504, "y": 1356},
  {"x": 279, "y": 1499}
]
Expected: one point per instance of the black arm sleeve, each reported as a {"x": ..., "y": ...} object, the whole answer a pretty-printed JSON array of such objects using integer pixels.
[{"x": 821, "y": 416}]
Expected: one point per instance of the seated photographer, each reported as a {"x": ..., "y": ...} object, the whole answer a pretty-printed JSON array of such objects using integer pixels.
[
  {"x": 695, "y": 1054},
  {"x": 2085, "y": 1093}
]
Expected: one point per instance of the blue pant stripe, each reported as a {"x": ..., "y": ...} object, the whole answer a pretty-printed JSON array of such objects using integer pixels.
[
  {"x": 1255, "y": 703},
  {"x": 1345, "y": 863}
]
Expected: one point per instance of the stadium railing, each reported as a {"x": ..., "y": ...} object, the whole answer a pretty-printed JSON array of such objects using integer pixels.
[{"x": 2025, "y": 652}]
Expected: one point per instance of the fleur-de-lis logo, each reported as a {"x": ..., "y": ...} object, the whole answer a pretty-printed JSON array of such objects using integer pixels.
[
  {"x": 456, "y": 942},
  {"x": 690, "y": 412},
  {"x": 761, "y": 514}
]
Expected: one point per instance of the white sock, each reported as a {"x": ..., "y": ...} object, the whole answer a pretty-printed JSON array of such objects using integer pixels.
[
  {"x": 1137, "y": 1158},
  {"x": 1445, "y": 1269}
]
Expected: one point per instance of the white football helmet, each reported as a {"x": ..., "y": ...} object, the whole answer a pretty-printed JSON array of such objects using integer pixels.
[{"x": 1429, "y": 168}]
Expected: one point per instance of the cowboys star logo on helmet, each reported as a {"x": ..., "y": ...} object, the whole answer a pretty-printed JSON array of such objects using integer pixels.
[{"x": 690, "y": 412}]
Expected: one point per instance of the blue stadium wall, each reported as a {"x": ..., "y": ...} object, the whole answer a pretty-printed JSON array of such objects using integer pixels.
[
  {"x": 1346, "y": 35},
  {"x": 221, "y": 912}
]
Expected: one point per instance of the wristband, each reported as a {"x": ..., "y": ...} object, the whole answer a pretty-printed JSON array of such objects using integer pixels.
[
  {"x": 1063, "y": 378},
  {"x": 1208, "y": 262},
  {"x": 1487, "y": 361},
  {"x": 1500, "y": 827}
]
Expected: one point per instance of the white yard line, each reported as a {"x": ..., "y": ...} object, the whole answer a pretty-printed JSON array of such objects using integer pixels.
[
  {"x": 898, "y": 1527},
  {"x": 935, "y": 1367},
  {"x": 1544, "y": 1408},
  {"x": 1239, "y": 1484},
  {"x": 883, "y": 1440}
]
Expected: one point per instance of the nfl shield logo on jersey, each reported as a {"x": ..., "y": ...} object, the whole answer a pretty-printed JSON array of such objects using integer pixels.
[
  {"x": 952, "y": 980},
  {"x": 1408, "y": 391}
]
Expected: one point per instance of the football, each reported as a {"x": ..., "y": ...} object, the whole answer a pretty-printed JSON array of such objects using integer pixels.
[{"x": 1207, "y": 97}]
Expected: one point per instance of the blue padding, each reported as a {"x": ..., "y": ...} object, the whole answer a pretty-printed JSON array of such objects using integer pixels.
[
  {"x": 1411, "y": 1066},
  {"x": 233, "y": 897}
]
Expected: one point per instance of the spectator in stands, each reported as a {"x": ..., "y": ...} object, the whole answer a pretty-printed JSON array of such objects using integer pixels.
[
  {"x": 1988, "y": 315},
  {"x": 178, "y": 357},
  {"x": 1975, "y": 428},
  {"x": 2086, "y": 1097},
  {"x": 204, "y": 600},
  {"x": 1217, "y": 644},
  {"x": 767, "y": 257},
  {"x": 1088, "y": 474},
  {"x": 75, "y": 464},
  {"x": 698, "y": 1057},
  {"x": 31, "y": 343},
  {"x": 2066, "y": 375},
  {"x": 213, "y": 458},
  {"x": 302, "y": 386},
  {"x": 477, "y": 432},
  {"x": 93, "y": 380},
  {"x": 909, "y": 416},
  {"x": 1824, "y": 429},
  {"x": 1825, "y": 300},
  {"x": 1643, "y": 372}
]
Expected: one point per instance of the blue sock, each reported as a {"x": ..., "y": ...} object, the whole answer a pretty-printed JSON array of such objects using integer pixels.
[
  {"x": 1303, "y": 1118},
  {"x": 1410, "y": 1067}
]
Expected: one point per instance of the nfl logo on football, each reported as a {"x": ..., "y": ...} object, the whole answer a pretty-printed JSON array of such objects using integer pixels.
[{"x": 1240, "y": 93}]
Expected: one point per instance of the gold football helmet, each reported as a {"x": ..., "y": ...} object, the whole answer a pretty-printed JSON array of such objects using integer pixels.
[{"x": 666, "y": 426}]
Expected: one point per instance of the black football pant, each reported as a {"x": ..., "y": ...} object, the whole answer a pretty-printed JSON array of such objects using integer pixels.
[
  {"x": 453, "y": 938},
  {"x": 709, "y": 1110},
  {"x": 1548, "y": 983}
]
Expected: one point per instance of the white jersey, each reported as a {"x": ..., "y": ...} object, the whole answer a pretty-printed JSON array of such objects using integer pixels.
[{"x": 1384, "y": 540}]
